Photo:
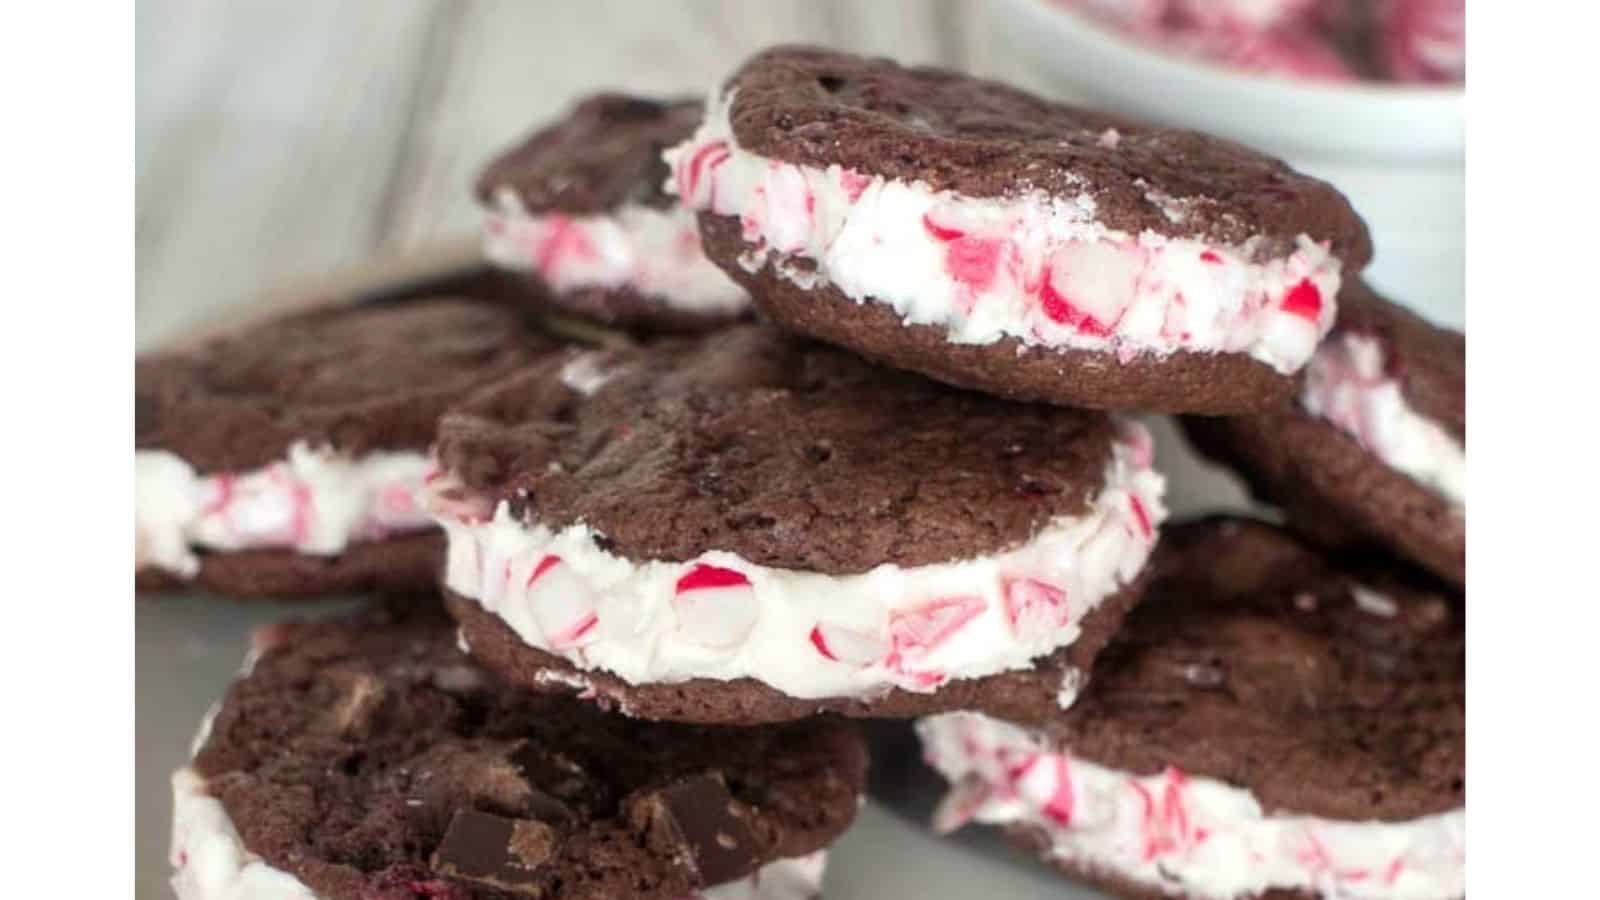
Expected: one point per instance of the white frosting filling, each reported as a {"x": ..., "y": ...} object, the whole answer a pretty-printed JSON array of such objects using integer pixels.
[
  {"x": 1041, "y": 269},
  {"x": 656, "y": 252},
  {"x": 1177, "y": 834},
  {"x": 805, "y": 634},
  {"x": 315, "y": 502},
  {"x": 1347, "y": 383},
  {"x": 211, "y": 862}
]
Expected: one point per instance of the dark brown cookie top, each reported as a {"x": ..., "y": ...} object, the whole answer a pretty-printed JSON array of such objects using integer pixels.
[
  {"x": 787, "y": 452},
  {"x": 606, "y": 152},
  {"x": 1332, "y": 692},
  {"x": 357, "y": 378},
  {"x": 818, "y": 107},
  {"x": 1430, "y": 362},
  {"x": 368, "y": 756}
]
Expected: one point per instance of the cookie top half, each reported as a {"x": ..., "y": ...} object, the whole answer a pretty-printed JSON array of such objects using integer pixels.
[
  {"x": 994, "y": 240},
  {"x": 785, "y": 452},
  {"x": 604, "y": 153},
  {"x": 355, "y": 379},
  {"x": 982, "y": 138},
  {"x": 368, "y": 758}
]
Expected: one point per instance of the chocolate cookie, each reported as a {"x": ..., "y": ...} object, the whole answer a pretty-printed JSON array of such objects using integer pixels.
[
  {"x": 578, "y": 207},
  {"x": 284, "y": 460},
  {"x": 1266, "y": 721},
  {"x": 994, "y": 240},
  {"x": 749, "y": 527},
  {"x": 368, "y": 759},
  {"x": 1374, "y": 453}
]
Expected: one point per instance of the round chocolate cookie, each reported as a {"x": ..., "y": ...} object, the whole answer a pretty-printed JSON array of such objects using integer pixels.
[
  {"x": 368, "y": 759},
  {"x": 1267, "y": 723},
  {"x": 1374, "y": 453},
  {"x": 1035, "y": 250},
  {"x": 578, "y": 207},
  {"x": 750, "y": 527},
  {"x": 284, "y": 460}
]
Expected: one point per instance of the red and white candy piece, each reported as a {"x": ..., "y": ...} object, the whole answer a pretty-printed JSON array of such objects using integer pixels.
[
  {"x": 1164, "y": 816},
  {"x": 847, "y": 645},
  {"x": 273, "y": 506},
  {"x": 960, "y": 804},
  {"x": 920, "y": 630},
  {"x": 1047, "y": 780},
  {"x": 1033, "y": 606},
  {"x": 1088, "y": 286},
  {"x": 561, "y": 603},
  {"x": 716, "y": 607}
]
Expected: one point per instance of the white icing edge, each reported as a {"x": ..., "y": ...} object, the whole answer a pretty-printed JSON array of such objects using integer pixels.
[
  {"x": 877, "y": 246},
  {"x": 1246, "y": 850},
  {"x": 654, "y": 251},
  {"x": 771, "y": 633},
  {"x": 1346, "y": 384},
  {"x": 346, "y": 496}
]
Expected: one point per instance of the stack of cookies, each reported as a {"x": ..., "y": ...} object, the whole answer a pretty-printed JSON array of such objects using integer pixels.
[{"x": 862, "y": 445}]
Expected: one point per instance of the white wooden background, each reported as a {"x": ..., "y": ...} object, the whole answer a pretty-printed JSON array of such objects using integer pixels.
[{"x": 277, "y": 140}]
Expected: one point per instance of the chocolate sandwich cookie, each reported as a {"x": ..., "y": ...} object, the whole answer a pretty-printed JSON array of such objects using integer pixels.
[
  {"x": 284, "y": 460},
  {"x": 749, "y": 527},
  {"x": 997, "y": 241},
  {"x": 368, "y": 759},
  {"x": 1267, "y": 724},
  {"x": 1375, "y": 452},
  {"x": 578, "y": 206}
]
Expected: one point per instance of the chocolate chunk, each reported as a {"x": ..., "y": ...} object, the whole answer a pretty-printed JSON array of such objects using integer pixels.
[
  {"x": 361, "y": 818},
  {"x": 703, "y": 822},
  {"x": 558, "y": 783},
  {"x": 500, "y": 852}
]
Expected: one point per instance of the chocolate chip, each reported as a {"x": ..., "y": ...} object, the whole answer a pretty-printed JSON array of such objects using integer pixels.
[
  {"x": 553, "y": 773},
  {"x": 499, "y": 852},
  {"x": 697, "y": 820}
]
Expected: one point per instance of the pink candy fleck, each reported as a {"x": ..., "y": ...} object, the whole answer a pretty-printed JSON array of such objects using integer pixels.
[
  {"x": 1304, "y": 300},
  {"x": 973, "y": 261},
  {"x": 545, "y": 565},
  {"x": 1059, "y": 808},
  {"x": 1030, "y": 604},
  {"x": 1140, "y": 516},
  {"x": 708, "y": 576},
  {"x": 924, "y": 628},
  {"x": 715, "y": 606},
  {"x": 561, "y": 602},
  {"x": 940, "y": 232},
  {"x": 1165, "y": 819},
  {"x": 854, "y": 183},
  {"x": 705, "y": 159}
]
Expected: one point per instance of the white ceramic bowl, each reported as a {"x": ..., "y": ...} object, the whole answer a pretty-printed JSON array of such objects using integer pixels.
[{"x": 1398, "y": 152}]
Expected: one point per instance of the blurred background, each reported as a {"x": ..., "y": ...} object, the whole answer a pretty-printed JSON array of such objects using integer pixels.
[{"x": 278, "y": 142}]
